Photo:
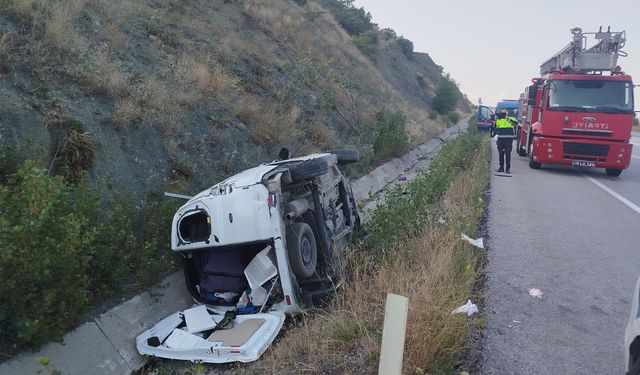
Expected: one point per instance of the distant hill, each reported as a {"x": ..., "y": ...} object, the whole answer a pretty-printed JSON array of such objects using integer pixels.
[{"x": 142, "y": 94}]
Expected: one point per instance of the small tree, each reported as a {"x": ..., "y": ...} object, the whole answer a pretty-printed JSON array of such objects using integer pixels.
[
  {"x": 446, "y": 95},
  {"x": 406, "y": 45},
  {"x": 353, "y": 20},
  {"x": 391, "y": 138}
]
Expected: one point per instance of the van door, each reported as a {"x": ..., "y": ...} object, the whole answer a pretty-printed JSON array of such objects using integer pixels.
[{"x": 484, "y": 122}]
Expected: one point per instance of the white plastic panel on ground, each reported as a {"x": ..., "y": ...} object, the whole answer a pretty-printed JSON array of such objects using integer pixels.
[{"x": 250, "y": 336}]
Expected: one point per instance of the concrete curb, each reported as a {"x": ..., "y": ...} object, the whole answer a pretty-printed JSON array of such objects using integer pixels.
[{"x": 106, "y": 344}]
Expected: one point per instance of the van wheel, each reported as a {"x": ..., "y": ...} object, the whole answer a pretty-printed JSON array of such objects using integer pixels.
[
  {"x": 614, "y": 172},
  {"x": 308, "y": 169},
  {"x": 302, "y": 250},
  {"x": 346, "y": 155}
]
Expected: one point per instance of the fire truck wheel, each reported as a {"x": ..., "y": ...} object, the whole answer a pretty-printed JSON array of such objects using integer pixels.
[
  {"x": 302, "y": 250},
  {"x": 613, "y": 172},
  {"x": 532, "y": 163}
]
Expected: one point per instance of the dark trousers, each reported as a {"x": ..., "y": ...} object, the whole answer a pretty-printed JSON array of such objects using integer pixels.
[{"x": 504, "y": 149}]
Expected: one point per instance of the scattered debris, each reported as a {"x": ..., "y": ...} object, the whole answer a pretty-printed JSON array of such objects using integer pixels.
[
  {"x": 441, "y": 221},
  {"x": 535, "y": 292},
  {"x": 469, "y": 308},
  {"x": 402, "y": 178},
  {"x": 517, "y": 321},
  {"x": 479, "y": 243}
]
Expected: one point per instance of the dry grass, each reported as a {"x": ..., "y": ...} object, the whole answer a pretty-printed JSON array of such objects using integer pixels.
[
  {"x": 58, "y": 27},
  {"x": 320, "y": 135},
  {"x": 208, "y": 80},
  {"x": 274, "y": 124},
  {"x": 116, "y": 38},
  {"x": 278, "y": 17},
  {"x": 54, "y": 19},
  {"x": 126, "y": 111},
  {"x": 435, "y": 270},
  {"x": 6, "y": 43},
  {"x": 99, "y": 73}
]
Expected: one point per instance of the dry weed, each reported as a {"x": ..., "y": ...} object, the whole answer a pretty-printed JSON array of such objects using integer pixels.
[
  {"x": 6, "y": 43},
  {"x": 58, "y": 28},
  {"x": 101, "y": 74},
  {"x": 216, "y": 81},
  {"x": 273, "y": 124},
  {"x": 117, "y": 39},
  {"x": 320, "y": 135},
  {"x": 282, "y": 20},
  {"x": 126, "y": 111}
]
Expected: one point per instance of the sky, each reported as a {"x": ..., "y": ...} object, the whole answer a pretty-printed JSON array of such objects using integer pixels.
[{"x": 493, "y": 48}]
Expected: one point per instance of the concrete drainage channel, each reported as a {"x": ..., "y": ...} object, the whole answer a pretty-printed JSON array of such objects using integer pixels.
[{"x": 106, "y": 344}]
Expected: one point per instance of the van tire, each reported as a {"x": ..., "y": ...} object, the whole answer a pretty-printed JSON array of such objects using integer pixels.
[
  {"x": 302, "y": 250},
  {"x": 346, "y": 155},
  {"x": 308, "y": 169}
]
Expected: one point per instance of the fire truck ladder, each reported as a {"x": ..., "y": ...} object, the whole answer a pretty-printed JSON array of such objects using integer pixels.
[{"x": 576, "y": 57}]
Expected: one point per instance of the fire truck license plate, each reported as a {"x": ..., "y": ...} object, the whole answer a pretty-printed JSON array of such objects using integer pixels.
[{"x": 583, "y": 163}]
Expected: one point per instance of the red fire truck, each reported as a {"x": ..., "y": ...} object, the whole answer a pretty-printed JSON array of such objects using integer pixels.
[{"x": 580, "y": 111}]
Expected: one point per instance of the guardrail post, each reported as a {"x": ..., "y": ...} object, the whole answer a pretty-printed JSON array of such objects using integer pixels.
[{"x": 393, "y": 334}]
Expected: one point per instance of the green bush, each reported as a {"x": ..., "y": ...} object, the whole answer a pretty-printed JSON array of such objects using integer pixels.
[
  {"x": 353, "y": 20},
  {"x": 446, "y": 95},
  {"x": 398, "y": 217},
  {"x": 366, "y": 43},
  {"x": 61, "y": 254},
  {"x": 406, "y": 46},
  {"x": 391, "y": 138},
  {"x": 453, "y": 117}
]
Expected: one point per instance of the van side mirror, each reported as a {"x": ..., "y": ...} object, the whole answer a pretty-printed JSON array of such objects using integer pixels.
[{"x": 284, "y": 153}]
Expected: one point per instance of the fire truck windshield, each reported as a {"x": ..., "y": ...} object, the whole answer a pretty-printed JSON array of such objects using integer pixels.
[{"x": 590, "y": 96}]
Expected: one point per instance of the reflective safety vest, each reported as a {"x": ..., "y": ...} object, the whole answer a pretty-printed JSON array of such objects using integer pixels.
[
  {"x": 504, "y": 128},
  {"x": 503, "y": 123}
]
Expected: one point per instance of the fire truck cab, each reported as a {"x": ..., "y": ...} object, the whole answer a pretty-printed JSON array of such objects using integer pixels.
[{"x": 580, "y": 111}]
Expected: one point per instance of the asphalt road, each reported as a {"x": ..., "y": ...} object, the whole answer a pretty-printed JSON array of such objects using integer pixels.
[{"x": 557, "y": 230}]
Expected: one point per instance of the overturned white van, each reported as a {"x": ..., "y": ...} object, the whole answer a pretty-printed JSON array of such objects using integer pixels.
[{"x": 266, "y": 242}]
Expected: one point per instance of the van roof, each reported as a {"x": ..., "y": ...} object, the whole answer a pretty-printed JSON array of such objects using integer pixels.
[{"x": 508, "y": 104}]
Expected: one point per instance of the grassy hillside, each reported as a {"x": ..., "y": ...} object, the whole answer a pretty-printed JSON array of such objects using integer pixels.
[{"x": 195, "y": 90}]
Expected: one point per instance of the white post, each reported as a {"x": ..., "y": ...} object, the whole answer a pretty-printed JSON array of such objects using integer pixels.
[{"x": 393, "y": 334}]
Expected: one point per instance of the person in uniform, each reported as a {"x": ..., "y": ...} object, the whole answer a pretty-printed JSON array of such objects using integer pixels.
[{"x": 505, "y": 130}]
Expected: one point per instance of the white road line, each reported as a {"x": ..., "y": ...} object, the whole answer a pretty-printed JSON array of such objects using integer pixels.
[
  {"x": 619, "y": 197},
  {"x": 637, "y": 157}
]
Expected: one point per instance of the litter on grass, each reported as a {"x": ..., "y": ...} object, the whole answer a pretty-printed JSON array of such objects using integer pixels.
[
  {"x": 468, "y": 308},
  {"x": 479, "y": 243},
  {"x": 535, "y": 292}
]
